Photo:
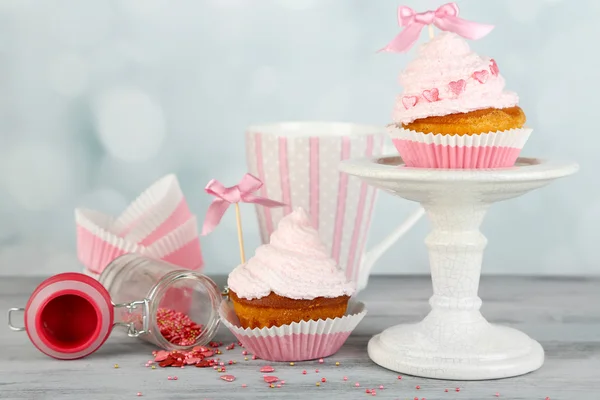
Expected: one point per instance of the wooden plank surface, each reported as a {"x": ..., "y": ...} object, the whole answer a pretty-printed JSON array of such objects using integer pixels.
[{"x": 562, "y": 313}]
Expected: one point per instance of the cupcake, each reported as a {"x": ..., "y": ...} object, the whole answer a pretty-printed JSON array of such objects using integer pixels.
[
  {"x": 454, "y": 111},
  {"x": 289, "y": 280}
]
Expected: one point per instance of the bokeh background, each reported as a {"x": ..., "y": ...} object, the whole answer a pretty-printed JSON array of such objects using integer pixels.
[{"x": 100, "y": 98}]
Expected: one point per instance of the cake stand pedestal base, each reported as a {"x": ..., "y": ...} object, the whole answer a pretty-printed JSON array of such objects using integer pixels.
[{"x": 455, "y": 341}]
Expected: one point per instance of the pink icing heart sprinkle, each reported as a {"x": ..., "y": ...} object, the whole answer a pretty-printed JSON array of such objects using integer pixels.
[
  {"x": 270, "y": 378},
  {"x": 481, "y": 76},
  {"x": 494, "y": 67},
  {"x": 267, "y": 368},
  {"x": 409, "y": 101},
  {"x": 431, "y": 95},
  {"x": 458, "y": 87},
  {"x": 228, "y": 378}
]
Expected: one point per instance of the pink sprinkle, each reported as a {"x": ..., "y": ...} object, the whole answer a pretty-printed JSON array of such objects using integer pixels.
[
  {"x": 345, "y": 378},
  {"x": 399, "y": 377},
  {"x": 279, "y": 385},
  {"x": 138, "y": 394},
  {"x": 283, "y": 382},
  {"x": 373, "y": 393},
  {"x": 418, "y": 387},
  {"x": 416, "y": 398},
  {"x": 323, "y": 380},
  {"x": 357, "y": 384},
  {"x": 497, "y": 394},
  {"x": 244, "y": 353},
  {"x": 175, "y": 378},
  {"x": 244, "y": 385},
  {"x": 222, "y": 364},
  {"x": 267, "y": 368},
  {"x": 367, "y": 391},
  {"x": 304, "y": 372},
  {"x": 169, "y": 378},
  {"x": 270, "y": 379},
  {"x": 380, "y": 386},
  {"x": 317, "y": 371},
  {"x": 230, "y": 362},
  {"x": 321, "y": 361},
  {"x": 228, "y": 378},
  {"x": 254, "y": 357},
  {"x": 547, "y": 398},
  {"x": 215, "y": 367},
  {"x": 182, "y": 367},
  {"x": 446, "y": 390},
  {"x": 458, "y": 389}
]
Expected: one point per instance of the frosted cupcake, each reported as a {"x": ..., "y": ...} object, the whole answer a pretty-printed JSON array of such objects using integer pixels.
[
  {"x": 454, "y": 111},
  {"x": 291, "y": 279}
]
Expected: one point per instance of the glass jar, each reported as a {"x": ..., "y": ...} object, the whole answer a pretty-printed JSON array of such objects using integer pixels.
[
  {"x": 70, "y": 315},
  {"x": 160, "y": 295}
]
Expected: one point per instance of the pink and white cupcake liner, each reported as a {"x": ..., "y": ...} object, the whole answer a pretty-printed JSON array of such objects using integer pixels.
[
  {"x": 486, "y": 150},
  {"x": 157, "y": 211},
  {"x": 306, "y": 340},
  {"x": 98, "y": 245}
]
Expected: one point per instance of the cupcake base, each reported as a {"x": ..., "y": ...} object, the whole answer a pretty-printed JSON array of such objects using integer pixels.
[
  {"x": 275, "y": 310},
  {"x": 299, "y": 341}
]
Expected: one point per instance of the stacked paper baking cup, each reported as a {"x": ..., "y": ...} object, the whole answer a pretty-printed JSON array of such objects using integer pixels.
[
  {"x": 298, "y": 341},
  {"x": 158, "y": 224}
]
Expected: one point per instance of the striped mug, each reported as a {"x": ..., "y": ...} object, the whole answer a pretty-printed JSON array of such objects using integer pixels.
[{"x": 298, "y": 163}]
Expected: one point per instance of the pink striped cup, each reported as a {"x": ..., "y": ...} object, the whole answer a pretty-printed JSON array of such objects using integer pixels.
[{"x": 298, "y": 163}]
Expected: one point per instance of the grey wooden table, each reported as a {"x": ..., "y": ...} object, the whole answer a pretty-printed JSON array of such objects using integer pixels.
[{"x": 562, "y": 313}]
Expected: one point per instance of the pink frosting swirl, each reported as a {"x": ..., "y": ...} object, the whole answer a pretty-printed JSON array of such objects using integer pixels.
[
  {"x": 443, "y": 64},
  {"x": 295, "y": 264}
]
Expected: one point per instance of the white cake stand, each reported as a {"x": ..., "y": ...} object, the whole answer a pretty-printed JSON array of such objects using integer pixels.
[{"x": 455, "y": 341}]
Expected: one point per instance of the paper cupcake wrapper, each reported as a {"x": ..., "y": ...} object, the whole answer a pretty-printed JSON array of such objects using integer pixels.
[
  {"x": 306, "y": 340},
  {"x": 97, "y": 246},
  {"x": 157, "y": 211},
  {"x": 486, "y": 150}
]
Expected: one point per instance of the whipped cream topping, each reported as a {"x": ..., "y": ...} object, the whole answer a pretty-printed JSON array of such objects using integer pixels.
[
  {"x": 295, "y": 264},
  {"x": 445, "y": 78}
]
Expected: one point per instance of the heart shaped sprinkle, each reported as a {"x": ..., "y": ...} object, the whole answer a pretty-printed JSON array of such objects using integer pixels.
[
  {"x": 267, "y": 368},
  {"x": 228, "y": 378},
  {"x": 458, "y": 87},
  {"x": 270, "y": 378},
  {"x": 494, "y": 67},
  {"x": 431, "y": 95},
  {"x": 481, "y": 76},
  {"x": 409, "y": 101}
]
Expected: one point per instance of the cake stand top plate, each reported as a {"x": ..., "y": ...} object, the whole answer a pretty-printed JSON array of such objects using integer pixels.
[{"x": 483, "y": 185}]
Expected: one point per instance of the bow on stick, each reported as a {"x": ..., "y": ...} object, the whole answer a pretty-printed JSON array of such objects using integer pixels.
[
  {"x": 243, "y": 192},
  {"x": 445, "y": 18}
]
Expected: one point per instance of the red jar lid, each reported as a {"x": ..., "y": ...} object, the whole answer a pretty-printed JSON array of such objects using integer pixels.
[{"x": 69, "y": 316}]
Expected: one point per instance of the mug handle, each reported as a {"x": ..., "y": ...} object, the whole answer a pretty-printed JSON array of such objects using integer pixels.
[{"x": 371, "y": 256}]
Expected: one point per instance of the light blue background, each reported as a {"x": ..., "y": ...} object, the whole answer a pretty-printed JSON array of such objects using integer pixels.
[{"x": 100, "y": 98}]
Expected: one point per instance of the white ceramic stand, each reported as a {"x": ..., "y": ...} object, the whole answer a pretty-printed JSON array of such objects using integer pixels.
[{"x": 455, "y": 341}]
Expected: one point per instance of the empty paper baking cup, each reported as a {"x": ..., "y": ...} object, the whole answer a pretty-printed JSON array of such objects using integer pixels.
[
  {"x": 298, "y": 341},
  {"x": 485, "y": 150}
]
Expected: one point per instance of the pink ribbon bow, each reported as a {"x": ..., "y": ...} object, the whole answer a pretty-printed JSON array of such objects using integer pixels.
[
  {"x": 240, "y": 193},
  {"x": 445, "y": 18}
]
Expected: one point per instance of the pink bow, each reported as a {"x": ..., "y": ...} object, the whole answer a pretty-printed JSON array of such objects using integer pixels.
[
  {"x": 445, "y": 18},
  {"x": 240, "y": 193}
]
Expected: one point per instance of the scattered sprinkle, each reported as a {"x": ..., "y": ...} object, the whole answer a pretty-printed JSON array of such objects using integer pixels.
[
  {"x": 419, "y": 387},
  {"x": 283, "y": 382},
  {"x": 337, "y": 363},
  {"x": 303, "y": 372},
  {"x": 292, "y": 364},
  {"x": 458, "y": 389},
  {"x": 317, "y": 371},
  {"x": 318, "y": 383},
  {"x": 228, "y": 378},
  {"x": 138, "y": 394},
  {"x": 323, "y": 380},
  {"x": 270, "y": 378},
  {"x": 244, "y": 385},
  {"x": 169, "y": 378},
  {"x": 345, "y": 378},
  {"x": 497, "y": 395},
  {"x": 153, "y": 367},
  {"x": 267, "y": 368},
  {"x": 245, "y": 358},
  {"x": 399, "y": 376},
  {"x": 271, "y": 386},
  {"x": 367, "y": 390},
  {"x": 116, "y": 366},
  {"x": 254, "y": 357},
  {"x": 357, "y": 384},
  {"x": 321, "y": 361},
  {"x": 279, "y": 385},
  {"x": 373, "y": 393},
  {"x": 445, "y": 390},
  {"x": 175, "y": 378},
  {"x": 244, "y": 353},
  {"x": 380, "y": 386}
]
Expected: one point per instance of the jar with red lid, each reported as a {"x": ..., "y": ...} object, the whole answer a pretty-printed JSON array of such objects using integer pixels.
[{"x": 71, "y": 315}]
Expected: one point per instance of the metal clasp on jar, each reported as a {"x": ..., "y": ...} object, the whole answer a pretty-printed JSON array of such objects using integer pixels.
[{"x": 132, "y": 331}]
